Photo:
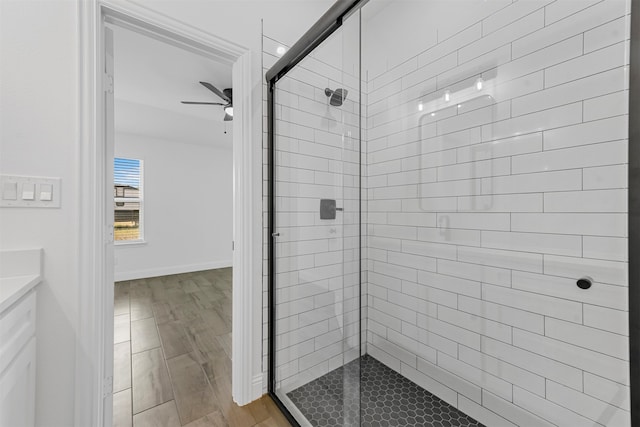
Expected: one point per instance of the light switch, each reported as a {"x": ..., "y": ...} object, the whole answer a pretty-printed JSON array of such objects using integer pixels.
[
  {"x": 28, "y": 191},
  {"x": 10, "y": 191},
  {"x": 46, "y": 192}
]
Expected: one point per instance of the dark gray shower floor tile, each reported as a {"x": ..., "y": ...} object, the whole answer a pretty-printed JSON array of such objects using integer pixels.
[{"x": 387, "y": 399}]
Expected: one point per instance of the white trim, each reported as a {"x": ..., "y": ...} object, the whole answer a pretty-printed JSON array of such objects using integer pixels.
[
  {"x": 137, "y": 17},
  {"x": 257, "y": 384},
  {"x": 247, "y": 255},
  {"x": 165, "y": 271},
  {"x": 125, "y": 243},
  {"x": 90, "y": 351},
  {"x": 95, "y": 322}
]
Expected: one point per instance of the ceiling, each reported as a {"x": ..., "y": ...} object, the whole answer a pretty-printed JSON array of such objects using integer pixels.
[{"x": 152, "y": 77}]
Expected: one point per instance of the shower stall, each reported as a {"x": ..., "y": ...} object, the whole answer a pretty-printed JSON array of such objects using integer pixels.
[{"x": 447, "y": 215}]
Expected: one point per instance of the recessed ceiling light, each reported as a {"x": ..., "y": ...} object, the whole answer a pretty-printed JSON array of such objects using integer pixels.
[
  {"x": 281, "y": 50},
  {"x": 420, "y": 107},
  {"x": 447, "y": 96}
]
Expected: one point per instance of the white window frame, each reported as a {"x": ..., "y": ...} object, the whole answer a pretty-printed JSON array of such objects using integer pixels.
[{"x": 139, "y": 199}]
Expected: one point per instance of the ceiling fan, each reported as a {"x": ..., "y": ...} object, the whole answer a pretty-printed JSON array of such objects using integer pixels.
[{"x": 226, "y": 95}]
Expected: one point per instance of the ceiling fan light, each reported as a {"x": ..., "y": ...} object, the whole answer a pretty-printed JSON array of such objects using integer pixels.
[{"x": 229, "y": 111}]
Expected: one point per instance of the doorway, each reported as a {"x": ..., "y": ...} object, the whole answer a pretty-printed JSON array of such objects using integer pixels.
[
  {"x": 173, "y": 224},
  {"x": 94, "y": 361}
]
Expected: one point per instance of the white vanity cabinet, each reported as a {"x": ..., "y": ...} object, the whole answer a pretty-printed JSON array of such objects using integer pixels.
[
  {"x": 18, "y": 343},
  {"x": 18, "y": 363}
]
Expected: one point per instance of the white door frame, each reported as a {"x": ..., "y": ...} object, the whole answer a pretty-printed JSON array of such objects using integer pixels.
[{"x": 94, "y": 364}]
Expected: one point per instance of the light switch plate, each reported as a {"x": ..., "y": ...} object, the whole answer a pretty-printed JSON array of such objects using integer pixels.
[{"x": 30, "y": 192}]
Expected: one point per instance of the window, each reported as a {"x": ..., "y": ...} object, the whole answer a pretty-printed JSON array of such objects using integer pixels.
[{"x": 128, "y": 200}]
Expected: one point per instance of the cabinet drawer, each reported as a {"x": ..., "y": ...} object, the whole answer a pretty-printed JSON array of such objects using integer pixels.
[{"x": 17, "y": 326}]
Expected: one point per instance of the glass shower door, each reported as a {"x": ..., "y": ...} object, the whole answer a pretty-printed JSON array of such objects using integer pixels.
[
  {"x": 317, "y": 233},
  {"x": 497, "y": 211}
]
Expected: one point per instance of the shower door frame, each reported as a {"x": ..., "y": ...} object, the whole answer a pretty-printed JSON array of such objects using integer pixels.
[
  {"x": 319, "y": 32},
  {"x": 634, "y": 214}
]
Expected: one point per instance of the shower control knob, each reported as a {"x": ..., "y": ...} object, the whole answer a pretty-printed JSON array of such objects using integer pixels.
[{"x": 584, "y": 282}]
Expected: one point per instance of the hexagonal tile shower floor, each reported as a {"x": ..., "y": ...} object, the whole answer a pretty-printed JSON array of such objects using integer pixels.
[{"x": 387, "y": 399}]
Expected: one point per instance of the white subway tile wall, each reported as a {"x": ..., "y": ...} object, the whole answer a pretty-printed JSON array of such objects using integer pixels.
[
  {"x": 516, "y": 187},
  {"x": 317, "y": 157},
  {"x": 494, "y": 162}
]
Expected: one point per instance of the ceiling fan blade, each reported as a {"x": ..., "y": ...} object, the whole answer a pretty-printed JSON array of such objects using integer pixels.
[
  {"x": 215, "y": 90},
  {"x": 201, "y": 103}
]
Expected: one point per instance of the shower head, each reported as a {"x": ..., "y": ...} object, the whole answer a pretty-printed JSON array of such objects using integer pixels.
[{"x": 337, "y": 96}]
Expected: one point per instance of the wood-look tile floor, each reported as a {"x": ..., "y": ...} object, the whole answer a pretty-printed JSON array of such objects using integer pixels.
[{"x": 172, "y": 355}]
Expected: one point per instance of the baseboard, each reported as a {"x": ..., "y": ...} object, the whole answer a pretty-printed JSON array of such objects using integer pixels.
[
  {"x": 265, "y": 382},
  {"x": 256, "y": 386},
  {"x": 165, "y": 271}
]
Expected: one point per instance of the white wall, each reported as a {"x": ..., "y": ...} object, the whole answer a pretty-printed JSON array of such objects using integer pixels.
[
  {"x": 39, "y": 136},
  {"x": 38, "y": 125},
  {"x": 482, "y": 217},
  {"x": 188, "y": 211}
]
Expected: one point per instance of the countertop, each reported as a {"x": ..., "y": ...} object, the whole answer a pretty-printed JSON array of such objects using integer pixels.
[
  {"x": 20, "y": 271},
  {"x": 13, "y": 288}
]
